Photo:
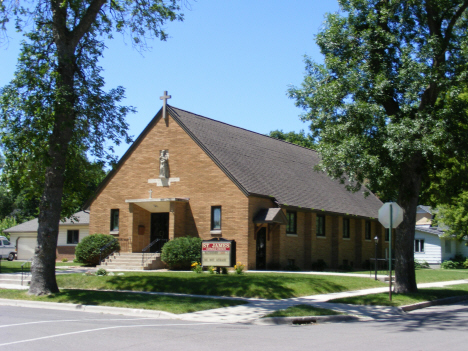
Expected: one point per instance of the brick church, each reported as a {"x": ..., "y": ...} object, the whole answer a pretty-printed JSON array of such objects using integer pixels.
[{"x": 188, "y": 175}]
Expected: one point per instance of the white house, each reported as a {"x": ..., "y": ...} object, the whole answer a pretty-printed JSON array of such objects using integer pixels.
[
  {"x": 429, "y": 243},
  {"x": 71, "y": 232}
]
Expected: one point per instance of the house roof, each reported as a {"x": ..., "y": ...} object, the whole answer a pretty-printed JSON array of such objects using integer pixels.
[
  {"x": 422, "y": 209},
  {"x": 79, "y": 218},
  {"x": 429, "y": 230},
  {"x": 264, "y": 166}
]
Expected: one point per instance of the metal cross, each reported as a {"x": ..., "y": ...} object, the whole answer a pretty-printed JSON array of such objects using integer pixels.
[
  {"x": 151, "y": 193},
  {"x": 165, "y": 97}
]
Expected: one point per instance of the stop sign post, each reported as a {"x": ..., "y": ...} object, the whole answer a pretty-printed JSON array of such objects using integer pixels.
[{"x": 390, "y": 216}]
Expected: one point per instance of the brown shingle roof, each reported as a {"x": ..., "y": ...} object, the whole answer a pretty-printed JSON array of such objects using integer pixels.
[{"x": 261, "y": 165}]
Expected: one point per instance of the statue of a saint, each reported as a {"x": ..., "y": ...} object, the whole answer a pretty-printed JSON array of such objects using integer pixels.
[{"x": 163, "y": 164}]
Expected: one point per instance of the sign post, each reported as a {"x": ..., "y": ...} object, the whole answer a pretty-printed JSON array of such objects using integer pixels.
[{"x": 390, "y": 215}]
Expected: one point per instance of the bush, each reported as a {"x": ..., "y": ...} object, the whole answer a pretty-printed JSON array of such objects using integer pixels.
[
  {"x": 88, "y": 250},
  {"x": 449, "y": 264},
  {"x": 457, "y": 262},
  {"x": 319, "y": 265},
  {"x": 421, "y": 264},
  {"x": 181, "y": 252},
  {"x": 101, "y": 271}
]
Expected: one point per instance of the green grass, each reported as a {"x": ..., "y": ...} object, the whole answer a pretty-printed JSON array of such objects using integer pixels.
[
  {"x": 15, "y": 266},
  {"x": 173, "y": 304},
  {"x": 261, "y": 285},
  {"x": 406, "y": 299},
  {"x": 440, "y": 275},
  {"x": 302, "y": 311}
]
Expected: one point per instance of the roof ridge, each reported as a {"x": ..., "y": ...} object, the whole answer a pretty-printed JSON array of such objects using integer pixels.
[{"x": 244, "y": 129}]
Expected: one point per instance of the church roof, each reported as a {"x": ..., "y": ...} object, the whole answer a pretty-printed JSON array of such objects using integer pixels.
[
  {"x": 261, "y": 165},
  {"x": 264, "y": 166}
]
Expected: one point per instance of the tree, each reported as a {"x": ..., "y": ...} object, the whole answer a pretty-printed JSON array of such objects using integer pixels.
[
  {"x": 454, "y": 217},
  {"x": 55, "y": 110},
  {"x": 300, "y": 138},
  {"x": 386, "y": 105}
]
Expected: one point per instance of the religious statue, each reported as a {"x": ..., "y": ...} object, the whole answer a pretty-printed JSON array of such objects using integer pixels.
[{"x": 163, "y": 164}]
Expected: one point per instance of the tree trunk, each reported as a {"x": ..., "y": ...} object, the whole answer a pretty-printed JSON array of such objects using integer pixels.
[
  {"x": 405, "y": 278},
  {"x": 43, "y": 267}
]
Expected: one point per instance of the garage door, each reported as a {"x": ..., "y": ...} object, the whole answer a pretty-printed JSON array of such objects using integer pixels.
[{"x": 26, "y": 248}]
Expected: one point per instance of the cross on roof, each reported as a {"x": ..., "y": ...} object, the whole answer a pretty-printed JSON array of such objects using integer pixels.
[{"x": 165, "y": 97}]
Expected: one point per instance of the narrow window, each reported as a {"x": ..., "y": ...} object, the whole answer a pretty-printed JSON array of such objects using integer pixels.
[
  {"x": 419, "y": 245},
  {"x": 114, "y": 223},
  {"x": 368, "y": 234},
  {"x": 387, "y": 236},
  {"x": 320, "y": 227},
  {"x": 73, "y": 236},
  {"x": 346, "y": 228},
  {"x": 291, "y": 227},
  {"x": 215, "y": 217}
]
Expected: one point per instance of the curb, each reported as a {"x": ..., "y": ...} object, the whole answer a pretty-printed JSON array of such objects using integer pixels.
[
  {"x": 89, "y": 308},
  {"x": 305, "y": 320},
  {"x": 445, "y": 301}
]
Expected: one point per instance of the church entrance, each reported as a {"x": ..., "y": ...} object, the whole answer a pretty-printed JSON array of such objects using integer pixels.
[
  {"x": 261, "y": 249},
  {"x": 159, "y": 230}
]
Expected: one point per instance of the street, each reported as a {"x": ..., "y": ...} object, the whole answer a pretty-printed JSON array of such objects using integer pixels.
[{"x": 435, "y": 328}]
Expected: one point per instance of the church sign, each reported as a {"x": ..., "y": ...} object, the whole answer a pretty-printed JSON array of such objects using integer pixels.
[{"x": 218, "y": 253}]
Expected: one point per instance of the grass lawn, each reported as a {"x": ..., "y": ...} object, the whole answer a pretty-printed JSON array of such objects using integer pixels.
[
  {"x": 259, "y": 285},
  {"x": 173, "y": 304},
  {"x": 431, "y": 275},
  {"x": 406, "y": 299},
  {"x": 15, "y": 266},
  {"x": 302, "y": 311}
]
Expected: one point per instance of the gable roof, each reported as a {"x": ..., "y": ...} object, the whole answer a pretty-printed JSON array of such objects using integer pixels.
[
  {"x": 79, "y": 218},
  {"x": 264, "y": 166}
]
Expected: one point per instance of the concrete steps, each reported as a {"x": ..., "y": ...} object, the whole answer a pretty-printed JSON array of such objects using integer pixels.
[
  {"x": 132, "y": 261},
  {"x": 14, "y": 279}
]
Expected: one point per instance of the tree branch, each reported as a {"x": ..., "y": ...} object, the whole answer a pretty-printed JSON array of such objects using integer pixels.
[{"x": 86, "y": 22}]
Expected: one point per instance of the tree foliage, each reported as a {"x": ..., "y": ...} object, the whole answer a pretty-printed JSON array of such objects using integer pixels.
[
  {"x": 454, "y": 217},
  {"x": 300, "y": 138},
  {"x": 55, "y": 111},
  {"x": 385, "y": 105}
]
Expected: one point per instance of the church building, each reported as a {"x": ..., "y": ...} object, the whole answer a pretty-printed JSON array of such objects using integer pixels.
[{"x": 189, "y": 175}]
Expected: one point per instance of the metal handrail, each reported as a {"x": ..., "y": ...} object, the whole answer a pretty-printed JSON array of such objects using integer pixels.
[
  {"x": 147, "y": 247},
  {"x": 105, "y": 247},
  {"x": 380, "y": 266},
  {"x": 24, "y": 272}
]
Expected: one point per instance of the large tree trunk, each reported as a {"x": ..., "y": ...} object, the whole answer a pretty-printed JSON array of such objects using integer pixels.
[{"x": 405, "y": 278}]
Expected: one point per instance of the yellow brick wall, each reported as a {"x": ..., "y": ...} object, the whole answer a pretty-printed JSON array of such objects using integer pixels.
[{"x": 201, "y": 180}]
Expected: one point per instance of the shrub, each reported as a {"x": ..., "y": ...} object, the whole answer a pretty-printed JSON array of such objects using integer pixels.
[
  {"x": 64, "y": 259},
  {"x": 239, "y": 268},
  {"x": 319, "y": 265},
  {"x": 465, "y": 264},
  {"x": 88, "y": 250},
  {"x": 421, "y": 264},
  {"x": 101, "y": 271},
  {"x": 197, "y": 267},
  {"x": 181, "y": 252},
  {"x": 449, "y": 265}
]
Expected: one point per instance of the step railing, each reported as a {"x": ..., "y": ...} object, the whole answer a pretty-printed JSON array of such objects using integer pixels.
[
  {"x": 380, "y": 266},
  {"x": 25, "y": 270},
  {"x": 157, "y": 244},
  {"x": 102, "y": 249}
]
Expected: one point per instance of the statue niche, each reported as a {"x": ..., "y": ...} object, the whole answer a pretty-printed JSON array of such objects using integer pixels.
[{"x": 164, "y": 164}]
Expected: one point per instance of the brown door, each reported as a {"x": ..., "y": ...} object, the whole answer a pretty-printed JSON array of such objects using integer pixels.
[
  {"x": 159, "y": 230},
  {"x": 261, "y": 249}
]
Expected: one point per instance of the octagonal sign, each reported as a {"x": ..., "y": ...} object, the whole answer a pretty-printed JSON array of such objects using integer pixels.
[{"x": 384, "y": 214}]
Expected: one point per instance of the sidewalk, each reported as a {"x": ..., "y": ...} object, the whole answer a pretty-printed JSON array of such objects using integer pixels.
[{"x": 248, "y": 313}]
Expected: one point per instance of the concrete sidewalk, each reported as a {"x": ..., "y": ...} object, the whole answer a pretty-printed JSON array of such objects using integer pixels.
[{"x": 253, "y": 310}]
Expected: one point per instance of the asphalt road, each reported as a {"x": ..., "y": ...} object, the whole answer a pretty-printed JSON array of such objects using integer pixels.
[{"x": 435, "y": 328}]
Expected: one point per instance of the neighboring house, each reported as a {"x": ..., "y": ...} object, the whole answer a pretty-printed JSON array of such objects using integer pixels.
[
  {"x": 190, "y": 175},
  {"x": 429, "y": 243},
  {"x": 71, "y": 232}
]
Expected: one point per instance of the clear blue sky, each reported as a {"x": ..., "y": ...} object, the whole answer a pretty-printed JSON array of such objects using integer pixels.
[{"x": 228, "y": 60}]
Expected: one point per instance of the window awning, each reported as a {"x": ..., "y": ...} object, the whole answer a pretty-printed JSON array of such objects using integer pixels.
[
  {"x": 156, "y": 205},
  {"x": 270, "y": 215}
]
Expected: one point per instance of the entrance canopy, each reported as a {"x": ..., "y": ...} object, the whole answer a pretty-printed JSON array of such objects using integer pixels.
[
  {"x": 156, "y": 205},
  {"x": 270, "y": 215}
]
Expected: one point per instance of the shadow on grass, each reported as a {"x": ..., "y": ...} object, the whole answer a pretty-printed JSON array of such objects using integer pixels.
[{"x": 268, "y": 286}]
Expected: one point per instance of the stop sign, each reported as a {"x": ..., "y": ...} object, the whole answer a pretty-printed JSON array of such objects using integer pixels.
[{"x": 384, "y": 215}]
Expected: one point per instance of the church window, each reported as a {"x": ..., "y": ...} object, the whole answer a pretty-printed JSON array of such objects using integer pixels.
[
  {"x": 320, "y": 227},
  {"x": 114, "y": 223},
  {"x": 291, "y": 226},
  {"x": 216, "y": 218},
  {"x": 368, "y": 234},
  {"x": 346, "y": 228}
]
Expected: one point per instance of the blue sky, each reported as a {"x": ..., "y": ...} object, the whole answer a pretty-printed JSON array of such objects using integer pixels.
[{"x": 230, "y": 60}]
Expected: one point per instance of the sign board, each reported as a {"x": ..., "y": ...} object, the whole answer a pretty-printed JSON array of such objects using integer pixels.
[
  {"x": 218, "y": 253},
  {"x": 384, "y": 215}
]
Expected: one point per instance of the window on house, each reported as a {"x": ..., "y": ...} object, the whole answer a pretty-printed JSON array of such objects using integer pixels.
[
  {"x": 368, "y": 234},
  {"x": 346, "y": 228},
  {"x": 114, "y": 223},
  {"x": 215, "y": 217},
  {"x": 448, "y": 246},
  {"x": 320, "y": 226},
  {"x": 291, "y": 226},
  {"x": 73, "y": 236},
  {"x": 419, "y": 245}
]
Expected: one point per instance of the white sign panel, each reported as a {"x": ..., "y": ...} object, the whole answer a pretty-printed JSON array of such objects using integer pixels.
[{"x": 384, "y": 215}]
